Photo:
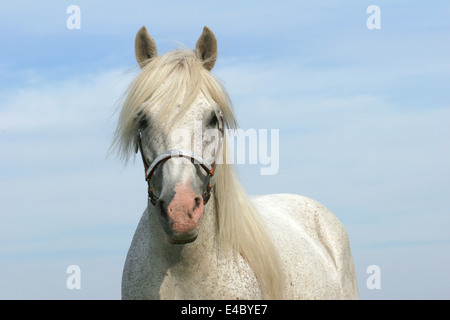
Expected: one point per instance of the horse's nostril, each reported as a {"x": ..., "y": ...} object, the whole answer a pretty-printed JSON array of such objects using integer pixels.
[
  {"x": 198, "y": 202},
  {"x": 162, "y": 205}
]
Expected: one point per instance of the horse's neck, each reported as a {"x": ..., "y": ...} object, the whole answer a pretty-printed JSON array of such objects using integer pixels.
[{"x": 204, "y": 244}]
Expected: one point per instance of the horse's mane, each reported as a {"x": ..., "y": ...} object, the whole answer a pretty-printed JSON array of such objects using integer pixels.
[{"x": 179, "y": 76}]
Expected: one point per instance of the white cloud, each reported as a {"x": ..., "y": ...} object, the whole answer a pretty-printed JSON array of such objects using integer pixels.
[{"x": 72, "y": 103}]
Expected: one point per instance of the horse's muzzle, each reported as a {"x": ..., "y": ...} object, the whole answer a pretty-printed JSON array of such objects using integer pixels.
[{"x": 181, "y": 217}]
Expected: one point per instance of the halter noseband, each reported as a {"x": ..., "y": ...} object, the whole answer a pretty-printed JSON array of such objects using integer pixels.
[{"x": 195, "y": 159}]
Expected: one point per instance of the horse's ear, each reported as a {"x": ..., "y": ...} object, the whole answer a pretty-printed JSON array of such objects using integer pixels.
[
  {"x": 206, "y": 48},
  {"x": 144, "y": 47}
]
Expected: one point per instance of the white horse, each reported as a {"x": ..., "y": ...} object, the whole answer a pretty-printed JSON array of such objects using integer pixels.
[{"x": 201, "y": 237}]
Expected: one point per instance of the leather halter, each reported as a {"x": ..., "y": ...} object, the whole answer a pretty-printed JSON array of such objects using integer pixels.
[{"x": 195, "y": 159}]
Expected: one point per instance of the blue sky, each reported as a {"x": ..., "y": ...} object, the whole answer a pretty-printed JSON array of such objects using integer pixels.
[{"x": 362, "y": 114}]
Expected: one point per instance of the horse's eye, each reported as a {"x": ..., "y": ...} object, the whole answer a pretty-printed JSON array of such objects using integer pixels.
[
  {"x": 213, "y": 120},
  {"x": 143, "y": 122}
]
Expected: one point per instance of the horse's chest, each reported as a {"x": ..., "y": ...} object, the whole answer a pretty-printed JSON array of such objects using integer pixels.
[{"x": 222, "y": 279}]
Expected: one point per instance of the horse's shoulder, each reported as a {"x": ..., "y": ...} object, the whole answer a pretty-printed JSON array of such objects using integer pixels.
[
  {"x": 308, "y": 215},
  {"x": 299, "y": 219}
]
